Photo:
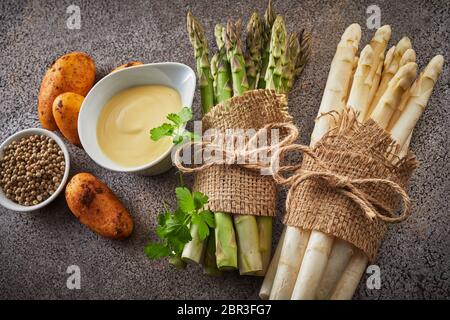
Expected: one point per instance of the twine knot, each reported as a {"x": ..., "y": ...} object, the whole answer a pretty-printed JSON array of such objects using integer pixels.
[{"x": 349, "y": 187}]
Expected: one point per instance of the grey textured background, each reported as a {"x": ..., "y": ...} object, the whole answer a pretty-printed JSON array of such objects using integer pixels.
[{"x": 36, "y": 248}]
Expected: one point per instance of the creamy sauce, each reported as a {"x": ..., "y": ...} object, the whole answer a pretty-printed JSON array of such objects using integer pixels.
[{"x": 123, "y": 128}]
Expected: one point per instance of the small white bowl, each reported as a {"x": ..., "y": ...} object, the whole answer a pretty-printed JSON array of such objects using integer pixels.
[
  {"x": 9, "y": 204},
  {"x": 175, "y": 75}
]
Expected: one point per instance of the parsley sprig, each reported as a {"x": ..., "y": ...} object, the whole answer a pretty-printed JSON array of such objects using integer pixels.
[
  {"x": 173, "y": 226},
  {"x": 175, "y": 128}
]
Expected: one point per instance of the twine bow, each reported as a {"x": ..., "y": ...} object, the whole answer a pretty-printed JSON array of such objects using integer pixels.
[
  {"x": 349, "y": 187},
  {"x": 230, "y": 156}
]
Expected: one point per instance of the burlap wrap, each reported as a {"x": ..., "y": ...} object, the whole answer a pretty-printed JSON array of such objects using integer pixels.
[
  {"x": 355, "y": 152},
  {"x": 232, "y": 188}
]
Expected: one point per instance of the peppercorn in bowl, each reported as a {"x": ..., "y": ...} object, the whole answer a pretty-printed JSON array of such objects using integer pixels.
[{"x": 34, "y": 168}]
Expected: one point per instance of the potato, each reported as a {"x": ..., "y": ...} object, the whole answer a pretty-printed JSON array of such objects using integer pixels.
[
  {"x": 66, "y": 108},
  {"x": 73, "y": 72},
  {"x": 127, "y": 65},
  {"x": 97, "y": 207}
]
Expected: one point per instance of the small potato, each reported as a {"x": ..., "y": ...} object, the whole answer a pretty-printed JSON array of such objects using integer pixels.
[
  {"x": 73, "y": 72},
  {"x": 66, "y": 108},
  {"x": 97, "y": 207},
  {"x": 127, "y": 65}
]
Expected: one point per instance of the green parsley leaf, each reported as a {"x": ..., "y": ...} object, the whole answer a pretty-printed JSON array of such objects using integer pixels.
[
  {"x": 165, "y": 129},
  {"x": 202, "y": 226},
  {"x": 199, "y": 200},
  {"x": 174, "y": 227},
  {"x": 175, "y": 119},
  {"x": 156, "y": 250},
  {"x": 208, "y": 217},
  {"x": 175, "y": 129},
  {"x": 185, "y": 199},
  {"x": 185, "y": 114}
]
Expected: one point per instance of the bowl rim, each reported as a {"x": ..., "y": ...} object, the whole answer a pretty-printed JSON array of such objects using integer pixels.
[
  {"x": 118, "y": 167},
  {"x": 11, "y": 205}
]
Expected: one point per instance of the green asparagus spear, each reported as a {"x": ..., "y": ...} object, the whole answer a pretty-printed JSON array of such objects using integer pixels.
[
  {"x": 194, "y": 250},
  {"x": 225, "y": 239},
  {"x": 269, "y": 19},
  {"x": 288, "y": 72},
  {"x": 226, "y": 247},
  {"x": 198, "y": 41},
  {"x": 249, "y": 255},
  {"x": 305, "y": 52},
  {"x": 278, "y": 60},
  {"x": 177, "y": 262},
  {"x": 210, "y": 256},
  {"x": 222, "y": 68},
  {"x": 236, "y": 57},
  {"x": 214, "y": 73},
  {"x": 265, "y": 241},
  {"x": 254, "y": 42}
]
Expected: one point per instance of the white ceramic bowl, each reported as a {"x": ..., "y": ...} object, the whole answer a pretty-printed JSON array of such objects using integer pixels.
[
  {"x": 9, "y": 204},
  {"x": 175, "y": 75}
]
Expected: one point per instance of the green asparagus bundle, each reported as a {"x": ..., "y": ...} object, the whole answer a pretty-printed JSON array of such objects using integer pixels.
[{"x": 272, "y": 60}]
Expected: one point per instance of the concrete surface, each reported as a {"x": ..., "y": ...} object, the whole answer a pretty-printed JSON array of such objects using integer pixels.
[{"x": 36, "y": 248}]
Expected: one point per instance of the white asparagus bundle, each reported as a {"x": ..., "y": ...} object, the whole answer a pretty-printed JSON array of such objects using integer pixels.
[
  {"x": 401, "y": 132},
  {"x": 382, "y": 101},
  {"x": 314, "y": 266},
  {"x": 394, "y": 92},
  {"x": 335, "y": 93}
]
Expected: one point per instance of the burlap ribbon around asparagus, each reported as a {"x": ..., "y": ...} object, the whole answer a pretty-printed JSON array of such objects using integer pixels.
[
  {"x": 241, "y": 188},
  {"x": 348, "y": 185}
]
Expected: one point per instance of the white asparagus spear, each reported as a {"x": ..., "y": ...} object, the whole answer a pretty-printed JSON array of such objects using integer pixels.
[
  {"x": 359, "y": 94},
  {"x": 334, "y": 98},
  {"x": 313, "y": 265},
  {"x": 266, "y": 287},
  {"x": 291, "y": 256},
  {"x": 420, "y": 94},
  {"x": 408, "y": 56},
  {"x": 378, "y": 44},
  {"x": 358, "y": 100},
  {"x": 405, "y": 147},
  {"x": 398, "y": 85},
  {"x": 340, "y": 256},
  {"x": 320, "y": 244},
  {"x": 355, "y": 65},
  {"x": 351, "y": 277},
  {"x": 390, "y": 69},
  {"x": 338, "y": 79},
  {"x": 388, "y": 58},
  {"x": 401, "y": 133}
]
